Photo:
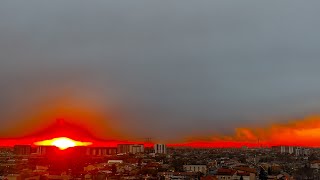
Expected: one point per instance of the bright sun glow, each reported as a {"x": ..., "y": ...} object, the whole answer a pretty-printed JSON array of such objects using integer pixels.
[{"x": 62, "y": 143}]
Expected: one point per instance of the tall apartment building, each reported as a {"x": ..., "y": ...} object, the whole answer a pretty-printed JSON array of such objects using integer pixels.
[
  {"x": 160, "y": 149},
  {"x": 22, "y": 149},
  {"x": 130, "y": 148}
]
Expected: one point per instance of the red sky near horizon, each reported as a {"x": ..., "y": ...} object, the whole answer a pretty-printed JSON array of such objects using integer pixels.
[{"x": 303, "y": 132}]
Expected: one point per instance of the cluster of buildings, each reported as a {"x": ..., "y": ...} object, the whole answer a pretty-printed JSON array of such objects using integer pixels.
[
  {"x": 297, "y": 151},
  {"x": 91, "y": 150},
  {"x": 135, "y": 161}
]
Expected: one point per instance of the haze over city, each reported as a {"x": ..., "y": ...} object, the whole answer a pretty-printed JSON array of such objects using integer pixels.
[{"x": 211, "y": 72}]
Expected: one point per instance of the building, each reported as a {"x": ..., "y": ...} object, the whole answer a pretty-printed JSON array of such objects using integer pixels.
[
  {"x": 231, "y": 174},
  {"x": 247, "y": 170},
  {"x": 306, "y": 152},
  {"x": 298, "y": 151},
  {"x": 244, "y": 148},
  {"x": 209, "y": 178},
  {"x": 149, "y": 149},
  {"x": 46, "y": 150},
  {"x": 4, "y": 150},
  {"x": 284, "y": 149},
  {"x": 123, "y": 148},
  {"x": 100, "y": 151},
  {"x": 13, "y": 177},
  {"x": 302, "y": 152},
  {"x": 78, "y": 150},
  {"x": 160, "y": 149},
  {"x": 130, "y": 148},
  {"x": 115, "y": 161},
  {"x": 290, "y": 149},
  {"x": 195, "y": 168},
  {"x": 136, "y": 148},
  {"x": 22, "y": 149},
  {"x": 315, "y": 164},
  {"x": 53, "y": 151},
  {"x": 177, "y": 175}
]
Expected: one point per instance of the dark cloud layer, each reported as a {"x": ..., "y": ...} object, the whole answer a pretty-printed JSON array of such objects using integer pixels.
[{"x": 167, "y": 68}]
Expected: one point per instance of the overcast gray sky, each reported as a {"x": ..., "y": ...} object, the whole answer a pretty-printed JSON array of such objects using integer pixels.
[{"x": 167, "y": 68}]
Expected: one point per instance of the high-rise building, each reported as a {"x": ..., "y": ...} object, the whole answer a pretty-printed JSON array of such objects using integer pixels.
[
  {"x": 136, "y": 148},
  {"x": 22, "y": 149},
  {"x": 78, "y": 150},
  {"x": 130, "y": 148},
  {"x": 123, "y": 148},
  {"x": 302, "y": 152},
  {"x": 46, "y": 150},
  {"x": 290, "y": 149},
  {"x": 100, "y": 151},
  {"x": 284, "y": 149},
  {"x": 298, "y": 151},
  {"x": 160, "y": 149}
]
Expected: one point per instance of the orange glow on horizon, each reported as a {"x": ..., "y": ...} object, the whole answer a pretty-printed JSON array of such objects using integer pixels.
[
  {"x": 300, "y": 132},
  {"x": 62, "y": 143}
]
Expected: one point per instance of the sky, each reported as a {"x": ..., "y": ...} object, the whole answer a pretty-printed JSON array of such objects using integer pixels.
[{"x": 168, "y": 70}]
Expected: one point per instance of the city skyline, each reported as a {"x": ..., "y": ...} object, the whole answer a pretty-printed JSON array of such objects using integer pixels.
[{"x": 300, "y": 133}]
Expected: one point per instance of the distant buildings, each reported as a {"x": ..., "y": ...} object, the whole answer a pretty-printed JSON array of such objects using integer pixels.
[
  {"x": 315, "y": 164},
  {"x": 79, "y": 150},
  {"x": 302, "y": 152},
  {"x": 228, "y": 174},
  {"x": 130, "y": 148},
  {"x": 82, "y": 150},
  {"x": 115, "y": 161},
  {"x": 298, "y": 151},
  {"x": 22, "y": 149},
  {"x": 5, "y": 150},
  {"x": 177, "y": 175},
  {"x": 46, "y": 150},
  {"x": 160, "y": 149},
  {"x": 285, "y": 149},
  {"x": 195, "y": 168},
  {"x": 93, "y": 163},
  {"x": 100, "y": 151}
]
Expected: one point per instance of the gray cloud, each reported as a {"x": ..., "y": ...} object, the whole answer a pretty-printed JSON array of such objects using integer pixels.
[{"x": 169, "y": 68}]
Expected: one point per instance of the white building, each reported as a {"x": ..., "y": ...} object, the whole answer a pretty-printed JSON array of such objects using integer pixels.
[
  {"x": 160, "y": 149},
  {"x": 115, "y": 161},
  {"x": 290, "y": 149},
  {"x": 286, "y": 149}
]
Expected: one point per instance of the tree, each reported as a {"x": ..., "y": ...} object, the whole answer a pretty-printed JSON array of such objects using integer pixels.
[
  {"x": 177, "y": 164},
  {"x": 263, "y": 174},
  {"x": 199, "y": 175},
  {"x": 243, "y": 159},
  {"x": 269, "y": 171},
  {"x": 114, "y": 169},
  {"x": 313, "y": 157}
]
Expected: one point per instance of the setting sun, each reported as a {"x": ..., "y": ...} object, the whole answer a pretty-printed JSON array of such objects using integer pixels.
[{"x": 62, "y": 143}]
